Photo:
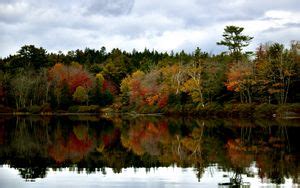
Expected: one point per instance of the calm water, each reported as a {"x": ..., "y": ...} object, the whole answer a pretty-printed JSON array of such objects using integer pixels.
[{"x": 92, "y": 151}]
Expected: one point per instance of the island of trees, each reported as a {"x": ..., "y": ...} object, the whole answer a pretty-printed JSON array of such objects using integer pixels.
[{"x": 233, "y": 83}]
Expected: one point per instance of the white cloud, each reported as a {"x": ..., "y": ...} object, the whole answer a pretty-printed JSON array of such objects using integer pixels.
[{"x": 275, "y": 14}]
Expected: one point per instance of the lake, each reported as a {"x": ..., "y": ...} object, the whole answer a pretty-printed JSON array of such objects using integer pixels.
[{"x": 148, "y": 151}]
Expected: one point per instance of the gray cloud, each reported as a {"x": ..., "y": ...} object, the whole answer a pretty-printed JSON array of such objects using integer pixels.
[
  {"x": 127, "y": 24},
  {"x": 109, "y": 7},
  {"x": 292, "y": 25}
]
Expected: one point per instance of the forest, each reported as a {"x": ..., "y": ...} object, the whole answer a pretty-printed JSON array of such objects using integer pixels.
[{"x": 265, "y": 82}]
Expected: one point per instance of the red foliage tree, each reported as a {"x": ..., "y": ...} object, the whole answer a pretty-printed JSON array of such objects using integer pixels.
[{"x": 74, "y": 75}]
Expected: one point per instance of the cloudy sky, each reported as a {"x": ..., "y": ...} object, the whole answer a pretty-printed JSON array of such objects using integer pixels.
[{"x": 164, "y": 25}]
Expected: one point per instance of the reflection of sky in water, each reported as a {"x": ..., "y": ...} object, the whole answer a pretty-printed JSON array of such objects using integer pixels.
[{"x": 130, "y": 177}]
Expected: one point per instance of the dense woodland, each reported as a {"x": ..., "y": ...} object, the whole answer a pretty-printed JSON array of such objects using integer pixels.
[{"x": 35, "y": 81}]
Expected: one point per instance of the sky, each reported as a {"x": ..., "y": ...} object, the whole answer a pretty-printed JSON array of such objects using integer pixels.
[{"x": 163, "y": 25}]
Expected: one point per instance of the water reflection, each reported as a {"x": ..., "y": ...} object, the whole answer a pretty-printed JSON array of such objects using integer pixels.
[{"x": 34, "y": 145}]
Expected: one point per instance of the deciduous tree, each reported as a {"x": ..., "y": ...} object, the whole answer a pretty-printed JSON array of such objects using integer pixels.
[{"x": 80, "y": 95}]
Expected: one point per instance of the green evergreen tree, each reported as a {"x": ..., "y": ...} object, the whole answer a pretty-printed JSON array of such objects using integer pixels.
[
  {"x": 107, "y": 98},
  {"x": 65, "y": 97},
  {"x": 96, "y": 94},
  {"x": 235, "y": 41},
  {"x": 53, "y": 98}
]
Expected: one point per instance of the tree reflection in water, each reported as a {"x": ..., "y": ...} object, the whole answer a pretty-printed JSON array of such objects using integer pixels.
[{"x": 34, "y": 144}]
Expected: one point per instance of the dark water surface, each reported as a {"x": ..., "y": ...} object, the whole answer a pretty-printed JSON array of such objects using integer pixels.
[{"x": 147, "y": 151}]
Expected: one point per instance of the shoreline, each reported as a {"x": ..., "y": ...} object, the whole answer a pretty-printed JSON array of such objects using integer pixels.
[
  {"x": 134, "y": 114},
  {"x": 270, "y": 111}
]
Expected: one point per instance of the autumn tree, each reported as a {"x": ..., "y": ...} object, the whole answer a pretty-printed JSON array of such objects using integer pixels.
[
  {"x": 195, "y": 84},
  {"x": 276, "y": 69},
  {"x": 74, "y": 75},
  {"x": 65, "y": 79},
  {"x": 175, "y": 84},
  {"x": 131, "y": 88},
  {"x": 80, "y": 95},
  {"x": 241, "y": 79}
]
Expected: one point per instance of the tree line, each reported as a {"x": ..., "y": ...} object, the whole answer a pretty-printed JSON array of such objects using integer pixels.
[{"x": 151, "y": 81}]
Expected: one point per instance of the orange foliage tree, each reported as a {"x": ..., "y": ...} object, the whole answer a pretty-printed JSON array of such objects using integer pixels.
[
  {"x": 241, "y": 79},
  {"x": 277, "y": 68},
  {"x": 74, "y": 75}
]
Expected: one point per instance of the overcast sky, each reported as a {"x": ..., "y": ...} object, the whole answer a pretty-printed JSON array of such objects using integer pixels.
[{"x": 164, "y": 25}]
